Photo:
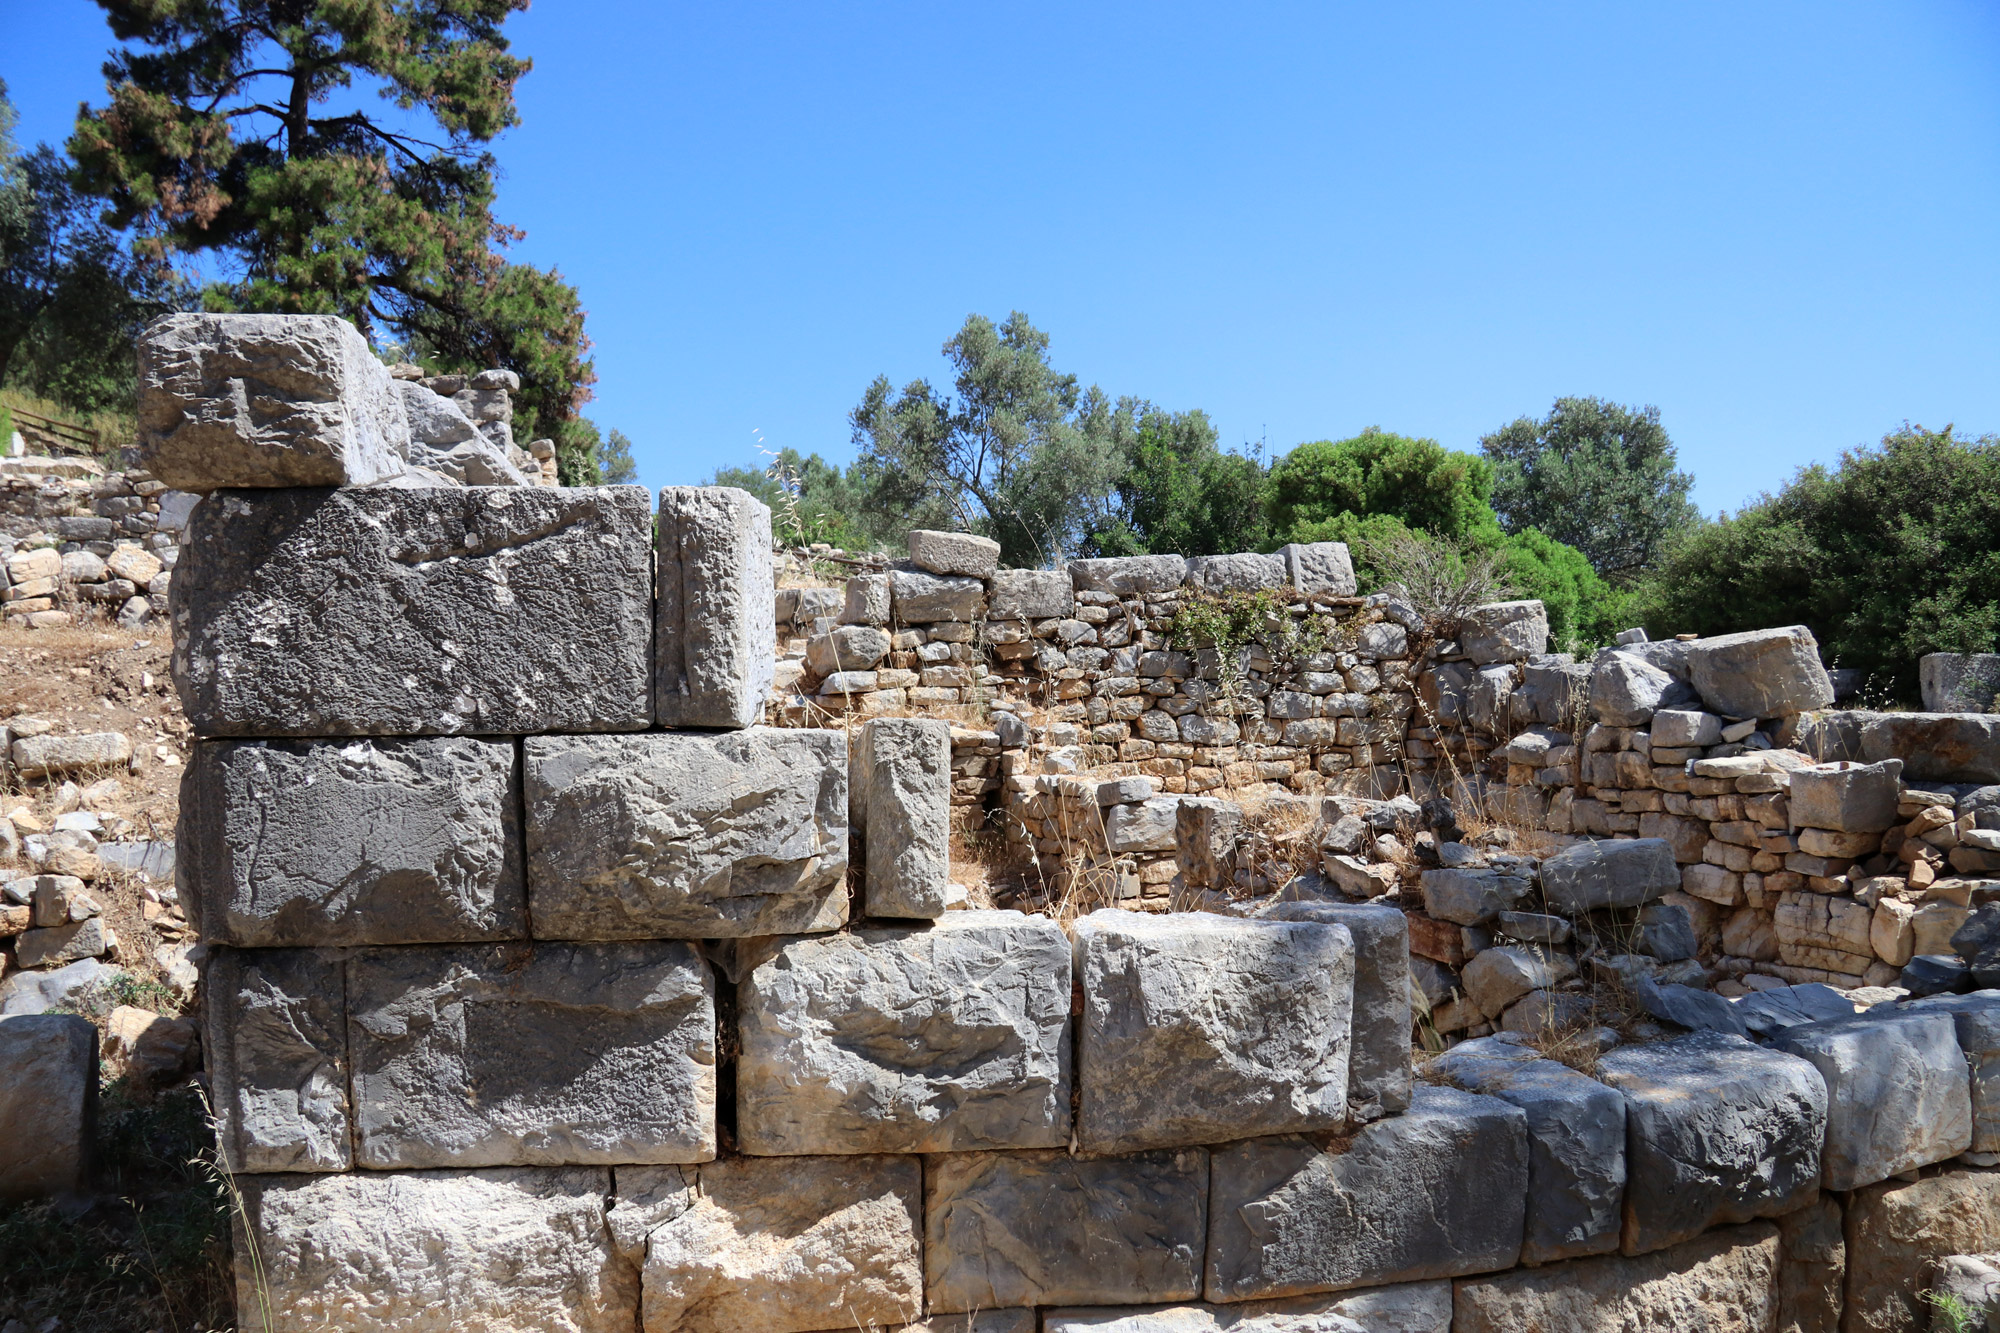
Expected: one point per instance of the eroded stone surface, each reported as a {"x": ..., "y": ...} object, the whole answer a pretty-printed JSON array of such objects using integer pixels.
[
  {"x": 1977, "y": 1020},
  {"x": 276, "y": 1054},
  {"x": 1504, "y": 632},
  {"x": 1379, "y": 1079},
  {"x": 1623, "y": 872},
  {"x": 1897, "y": 1232},
  {"x": 1724, "y": 1282},
  {"x": 1319, "y": 569},
  {"x": 1128, "y": 573},
  {"x": 1897, "y": 1093},
  {"x": 900, "y": 802},
  {"x": 715, "y": 643},
  {"x": 1029, "y": 594},
  {"x": 954, "y": 553},
  {"x": 1760, "y": 673},
  {"x": 48, "y": 1099}
]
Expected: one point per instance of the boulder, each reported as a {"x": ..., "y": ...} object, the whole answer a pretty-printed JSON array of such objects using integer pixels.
[
  {"x": 1976, "y": 1021},
  {"x": 715, "y": 645},
  {"x": 1896, "y": 1234},
  {"x": 899, "y": 800},
  {"x": 917, "y": 598},
  {"x": 1030, "y": 594},
  {"x": 1724, "y": 1282},
  {"x": 1129, "y": 574},
  {"x": 1625, "y": 690},
  {"x": 1850, "y": 798},
  {"x": 1897, "y": 1095},
  {"x": 1959, "y": 682},
  {"x": 846, "y": 648},
  {"x": 1379, "y": 1078},
  {"x": 48, "y": 1104},
  {"x": 1934, "y": 747},
  {"x": 1623, "y": 872},
  {"x": 1472, "y": 896},
  {"x": 1760, "y": 673},
  {"x": 954, "y": 553},
  {"x": 1237, "y": 573},
  {"x": 1318, "y": 569},
  {"x": 1504, "y": 632},
  {"x": 276, "y": 1048}
]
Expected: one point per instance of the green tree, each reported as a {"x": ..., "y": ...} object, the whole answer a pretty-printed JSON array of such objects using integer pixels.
[
  {"x": 1428, "y": 487},
  {"x": 1595, "y": 475},
  {"x": 1178, "y": 493},
  {"x": 811, "y": 500},
  {"x": 615, "y": 465}
]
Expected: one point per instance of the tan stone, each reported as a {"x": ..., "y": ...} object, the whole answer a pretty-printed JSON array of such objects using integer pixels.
[
  {"x": 1722, "y": 1282},
  {"x": 1897, "y": 1232},
  {"x": 1812, "y": 1268},
  {"x": 1892, "y": 933}
]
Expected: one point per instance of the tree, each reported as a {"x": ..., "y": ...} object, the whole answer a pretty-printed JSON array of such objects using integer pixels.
[
  {"x": 1420, "y": 482},
  {"x": 615, "y": 465},
  {"x": 221, "y": 139},
  {"x": 1595, "y": 475},
  {"x": 811, "y": 499},
  {"x": 1178, "y": 493}
]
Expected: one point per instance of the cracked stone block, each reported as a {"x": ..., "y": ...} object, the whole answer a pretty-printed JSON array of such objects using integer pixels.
[
  {"x": 532, "y": 1055},
  {"x": 686, "y": 835},
  {"x": 1760, "y": 673},
  {"x": 483, "y": 610},
  {"x": 790, "y": 1244},
  {"x": 954, "y": 553},
  {"x": 716, "y": 642},
  {"x": 433, "y": 1252},
  {"x": 1718, "y": 1131},
  {"x": 1127, "y": 574},
  {"x": 1621, "y": 872},
  {"x": 353, "y": 842},
  {"x": 1144, "y": 826},
  {"x": 949, "y": 1038},
  {"x": 48, "y": 1104},
  {"x": 1008, "y": 1229},
  {"x": 1504, "y": 632},
  {"x": 1976, "y": 1018},
  {"x": 266, "y": 400},
  {"x": 1896, "y": 1234},
  {"x": 1897, "y": 1093},
  {"x": 1319, "y": 569},
  {"x": 1200, "y": 1028},
  {"x": 924, "y": 599},
  {"x": 1030, "y": 594},
  {"x": 276, "y": 1050},
  {"x": 1379, "y": 1078},
  {"x": 1626, "y": 690},
  {"x": 900, "y": 802},
  {"x": 1246, "y": 572},
  {"x": 1723, "y": 1282}
]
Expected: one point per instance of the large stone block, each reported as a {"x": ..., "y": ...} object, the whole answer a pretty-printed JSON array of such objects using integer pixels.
[
  {"x": 1897, "y": 1094},
  {"x": 1897, "y": 1232},
  {"x": 1439, "y": 1191},
  {"x": 1724, "y": 1282},
  {"x": 1760, "y": 673},
  {"x": 715, "y": 642},
  {"x": 1852, "y": 798},
  {"x": 1143, "y": 826},
  {"x": 1812, "y": 1268},
  {"x": 353, "y": 842},
  {"x": 54, "y": 755},
  {"x": 1011, "y": 1229},
  {"x": 1472, "y": 895},
  {"x": 1625, "y": 689},
  {"x": 1959, "y": 682},
  {"x": 1246, "y": 572},
  {"x": 954, "y": 553},
  {"x": 1410, "y": 1307},
  {"x": 846, "y": 648},
  {"x": 266, "y": 400},
  {"x": 433, "y": 1252},
  {"x": 686, "y": 836},
  {"x": 1379, "y": 1079},
  {"x": 1319, "y": 569},
  {"x": 48, "y": 1104},
  {"x": 787, "y": 1244},
  {"x": 945, "y": 1039},
  {"x": 532, "y": 1055},
  {"x": 486, "y": 610},
  {"x": 1621, "y": 872},
  {"x": 1200, "y": 1028},
  {"x": 1934, "y": 747},
  {"x": 1129, "y": 574},
  {"x": 900, "y": 802},
  {"x": 1030, "y": 594},
  {"x": 917, "y": 598},
  {"x": 1976, "y": 1019},
  {"x": 1504, "y": 632},
  {"x": 276, "y": 1050},
  {"x": 1717, "y": 1131}
]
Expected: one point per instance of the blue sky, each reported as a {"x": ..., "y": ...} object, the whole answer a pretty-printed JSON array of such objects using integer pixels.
[{"x": 1776, "y": 222}]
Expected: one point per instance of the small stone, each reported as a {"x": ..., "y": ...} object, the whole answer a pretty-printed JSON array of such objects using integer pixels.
[
  {"x": 1625, "y": 690},
  {"x": 846, "y": 648},
  {"x": 49, "y": 756},
  {"x": 1149, "y": 826},
  {"x": 1319, "y": 569},
  {"x": 1030, "y": 594},
  {"x": 148, "y": 1050},
  {"x": 1497, "y": 977},
  {"x": 56, "y": 945},
  {"x": 1724, "y": 1282},
  {"x": 1534, "y": 927},
  {"x": 1471, "y": 897}
]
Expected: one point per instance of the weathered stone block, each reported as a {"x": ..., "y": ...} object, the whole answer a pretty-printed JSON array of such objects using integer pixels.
[
  {"x": 1959, "y": 682},
  {"x": 1934, "y": 747},
  {"x": 1011, "y": 1229},
  {"x": 1625, "y": 689},
  {"x": 488, "y": 610},
  {"x": 1897, "y": 1232},
  {"x": 900, "y": 802},
  {"x": 1319, "y": 569},
  {"x": 54, "y": 946},
  {"x": 1473, "y": 895},
  {"x": 954, "y": 553},
  {"x": 1724, "y": 1282},
  {"x": 1205, "y": 833},
  {"x": 1030, "y": 594},
  {"x": 1976, "y": 1019},
  {"x": 48, "y": 1104},
  {"x": 1200, "y": 1028},
  {"x": 1681, "y": 728},
  {"x": 52, "y": 756},
  {"x": 686, "y": 836},
  {"x": 918, "y": 598},
  {"x": 715, "y": 644},
  {"x": 353, "y": 842},
  {"x": 1504, "y": 632},
  {"x": 1812, "y": 1268},
  {"x": 276, "y": 1049},
  {"x": 1379, "y": 1079},
  {"x": 846, "y": 648},
  {"x": 1852, "y": 798},
  {"x": 1760, "y": 673},
  {"x": 945, "y": 1039},
  {"x": 866, "y": 600},
  {"x": 1622, "y": 872},
  {"x": 1497, "y": 977},
  {"x": 1147, "y": 826},
  {"x": 1128, "y": 573},
  {"x": 1247, "y": 572},
  {"x": 1410, "y": 1307},
  {"x": 1897, "y": 1095}
]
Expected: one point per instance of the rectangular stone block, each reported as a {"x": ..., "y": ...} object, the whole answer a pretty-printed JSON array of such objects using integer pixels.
[
  {"x": 1897, "y": 1232},
  {"x": 432, "y": 1252},
  {"x": 1012, "y": 1229},
  {"x": 1717, "y": 1131},
  {"x": 1128, "y": 574},
  {"x": 48, "y": 1104},
  {"x": 276, "y": 1051},
  {"x": 899, "y": 800},
  {"x": 1379, "y": 1078},
  {"x": 1760, "y": 673},
  {"x": 486, "y": 610},
  {"x": 715, "y": 642},
  {"x": 53, "y": 755},
  {"x": 685, "y": 835},
  {"x": 944, "y": 1039},
  {"x": 954, "y": 553},
  {"x": 1897, "y": 1093},
  {"x": 353, "y": 842},
  {"x": 1318, "y": 569},
  {"x": 1934, "y": 747},
  {"x": 917, "y": 598},
  {"x": 1439, "y": 1191},
  {"x": 1723, "y": 1282},
  {"x": 532, "y": 1055},
  {"x": 1030, "y": 594},
  {"x": 1976, "y": 1018},
  {"x": 1412, "y": 1307},
  {"x": 1200, "y": 1028},
  {"x": 1852, "y": 798}
]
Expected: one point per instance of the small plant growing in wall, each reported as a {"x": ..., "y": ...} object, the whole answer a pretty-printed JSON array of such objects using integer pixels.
[{"x": 1230, "y": 623}]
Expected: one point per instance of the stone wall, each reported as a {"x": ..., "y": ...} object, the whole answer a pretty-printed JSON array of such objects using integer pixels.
[{"x": 77, "y": 540}]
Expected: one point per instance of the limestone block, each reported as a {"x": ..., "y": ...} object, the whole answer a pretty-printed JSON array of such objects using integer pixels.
[
  {"x": 1205, "y": 833},
  {"x": 1319, "y": 569},
  {"x": 446, "y": 442},
  {"x": 1683, "y": 728},
  {"x": 715, "y": 643},
  {"x": 1814, "y": 930},
  {"x": 1472, "y": 895},
  {"x": 266, "y": 400},
  {"x": 985, "y": 1321},
  {"x": 434, "y": 1252},
  {"x": 685, "y": 835},
  {"x": 1379, "y": 1079},
  {"x": 1897, "y": 1095},
  {"x": 1504, "y": 632},
  {"x": 1812, "y": 1268},
  {"x": 48, "y": 1104},
  {"x": 1625, "y": 689},
  {"x": 1129, "y": 574},
  {"x": 1976, "y": 1019},
  {"x": 1200, "y": 1028},
  {"x": 1030, "y": 594},
  {"x": 1236, "y": 573},
  {"x": 1850, "y": 798},
  {"x": 900, "y": 801},
  {"x": 1409, "y": 1307},
  {"x": 1439, "y": 1191},
  {"x": 780, "y": 1245},
  {"x": 1724, "y": 1282},
  {"x": 917, "y": 598},
  {"x": 954, "y": 553},
  {"x": 1934, "y": 747},
  {"x": 1497, "y": 977},
  {"x": 1760, "y": 673},
  {"x": 276, "y": 1048},
  {"x": 945, "y": 1039},
  {"x": 487, "y": 610},
  {"x": 867, "y": 600},
  {"x": 1148, "y": 826},
  {"x": 55, "y": 946},
  {"x": 52, "y": 756},
  {"x": 353, "y": 842},
  {"x": 1959, "y": 682},
  {"x": 846, "y": 648},
  {"x": 1622, "y": 872},
  {"x": 1717, "y": 1131},
  {"x": 1897, "y": 1232},
  {"x": 1008, "y": 1229}
]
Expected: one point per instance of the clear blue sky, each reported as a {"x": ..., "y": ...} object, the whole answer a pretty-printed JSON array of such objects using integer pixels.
[{"x": 1777, "y": 222}]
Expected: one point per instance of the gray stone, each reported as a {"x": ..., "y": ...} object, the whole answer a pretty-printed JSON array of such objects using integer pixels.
[
  {"x": 867, "y": 600},
  {"x": 1236, "y": 573},
  {"x": 1409, "y": 1307},
  {"x": 1977, "y": 941},
  {"x": 1439, "y": 1191},
  {"x": 1319, "y": 569},
  {"x": 900, "y": 802},
  {"x": 39, "y": 992},
  {"x": 353, "y": 842},
  {"x": 1666, "y": 932},
  {"x": 1554, "y": 692},
  {"x": 1149, "y": 826},
  {"x": 1976, "y": 1019},
  {"x": 1725, "y": 1282},
  {"x": 954, "y": 553},
  {"x": 1030, "y": 594},
  {"x": 1626, "y": 690},
  {"x": 532, "y": 1055},
  {"x": 1698, "y": 1010},
  {"x": 276, "y": 1050},
  {"x": 57, "y": 945},
  {"x": 54, "y": 756},
  {"x": 1124, "y": 791},
  {"x": 1379, "y": 1078},
  {"x": 1471, "y": 896},
  {"x": 715, "y": 646},
  {"x": 686, "y": 836},
  {"x": 1535, "y": 927},
  {"x": 1851, "y": 798},
  {"x": 1010, "y": 1229},
  {"x": 917, "y": 598},
  {"x": 490, "y": 610},
  {"x": 1623, "y": 872},
  {"x": 1760, "y": 673},
  {"x": 1959, "y": 682},
  {"x": 945, "y": 1039},
  {"x": 1812, "y": 1268},
  {"x": 846, "y": 648},
  {"x": 1504, "y": 632},
  {"x": 1897, "y": 1232},
  {"x": 1972, "y": 1283},
  {"x": 266, "y": 400},
  {"x": 1205, "y": 833},
  {"x": 432, "y": 1251},
  {"x": 1934, "y": 747},
  {"x": 1897, "y": 1094},
  {"x": 1497, "y": 977},
  {"x": 445, "y": 441},
  {"x": 1934, "y": 974},
  {"x": 48, "y": 1104},
  {"x": 1718, "y": 1131},
  {"x": 1683, "y": 728},
  {"x": 1200, "y": 1028},
  {"x": 1128, "y": 574}
]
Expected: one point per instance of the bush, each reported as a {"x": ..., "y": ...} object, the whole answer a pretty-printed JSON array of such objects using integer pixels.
[{"x": 1422, "y": 483}]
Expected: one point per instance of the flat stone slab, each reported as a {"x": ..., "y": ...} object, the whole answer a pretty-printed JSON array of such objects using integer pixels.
[
  {"x": 964, "y": 553},
  {"x": 1128, "y": 574},
  {"x": 276, "y": 1052},
  {"x": 686, "y": 835},
  {"x": 917, "y": 598},
  {"x": 1200, "y": 1028},
  {"x": 1723, "y": 1282},
  {"x": 353, "y": 842},
  {"x": 1439, "y": 1191},
  {"x": 434, "y": 1250},
  {"x": 1934, "y": 747},
  {"x": 1976, "y": 1018},
  {"x": 1897, "y": 1092},
  {"x": 1379, "y": 1078},
  {"x": 945, "y": 1039},
  {"x": 1030, "y": 594},
  {"x": 48, "y": 1103},
  {"x": 715, "y": 640},
  {"x": 899, "y": 800},
  {"x": 532, "y": 1055},
  {"x": 485, "y": 610},
  {"x": 1718, "y": 1131},
  {"x": 1471, "y": 895},
  {"x": 1610, "y": 872}
]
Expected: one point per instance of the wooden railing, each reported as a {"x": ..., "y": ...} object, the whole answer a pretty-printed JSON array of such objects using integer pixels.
[{"x": 62, "y": 432}]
